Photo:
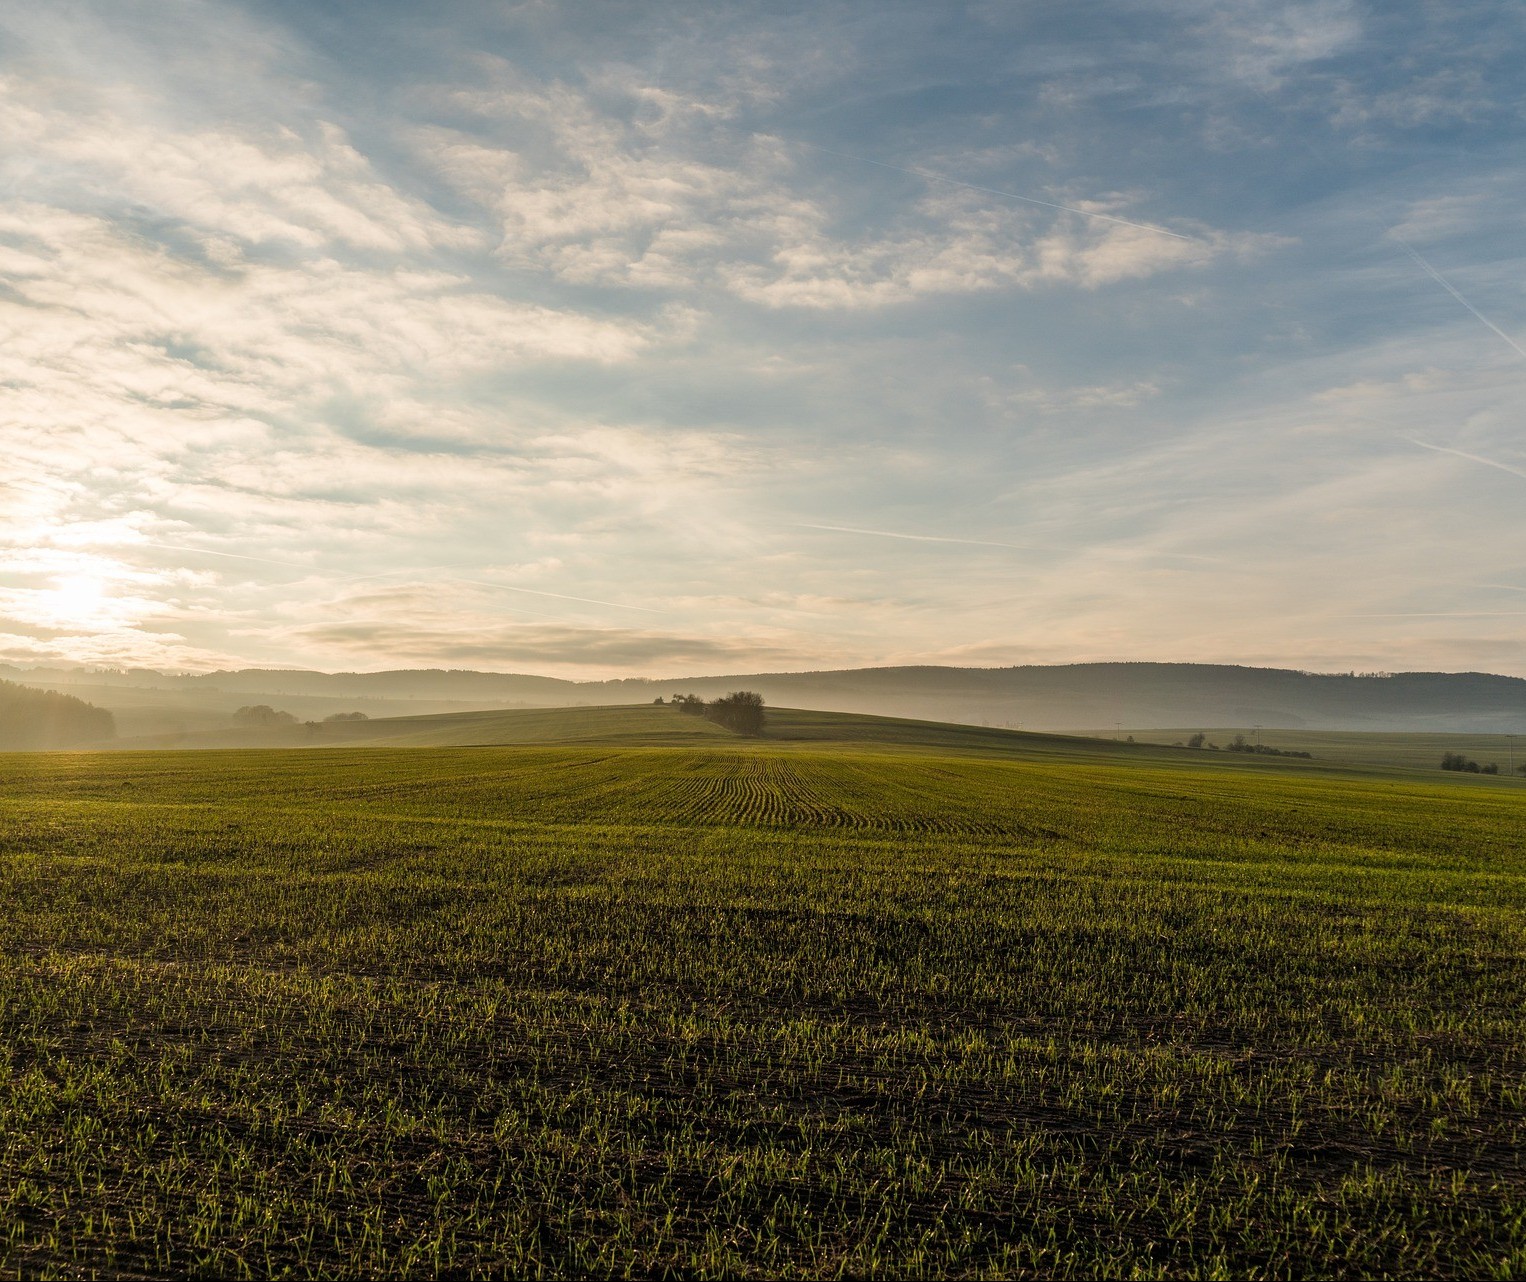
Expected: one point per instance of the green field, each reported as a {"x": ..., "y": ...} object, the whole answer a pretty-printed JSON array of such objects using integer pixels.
[
  {"x": 1403, "y": 751},
  {"x": 646, "y": 724},
  {"x": 626, "y": 725},
  {"x": 847, "y": 1001}
]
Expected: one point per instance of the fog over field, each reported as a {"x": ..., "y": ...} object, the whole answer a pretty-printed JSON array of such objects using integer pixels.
[
  {"x": 1085, "y": 698},
  {"x": 626, "y": 340}
]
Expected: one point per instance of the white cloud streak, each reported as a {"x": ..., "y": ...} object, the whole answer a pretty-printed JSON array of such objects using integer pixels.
[
  {"x": 1472, "y": 458},
  {"x": 1453, "y": 291}
]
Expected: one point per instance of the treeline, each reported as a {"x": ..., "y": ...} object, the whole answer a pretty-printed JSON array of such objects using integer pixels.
[
  {"x": 262, "y": 714},
  {"x": 741, "y": 711},
  {"x": 31, "y": 718},
  {"x": 1241, "y": 744}
]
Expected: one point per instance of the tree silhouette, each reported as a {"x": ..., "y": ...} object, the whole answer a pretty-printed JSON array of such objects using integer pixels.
[
  {"x": 31, "y": 718},
  {"x": 740, "y": 711},
  {"x": 262, "y": 714}
]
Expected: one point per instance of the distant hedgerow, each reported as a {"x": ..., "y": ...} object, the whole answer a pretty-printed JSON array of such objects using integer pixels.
[{"x": 1240, "y": 744}]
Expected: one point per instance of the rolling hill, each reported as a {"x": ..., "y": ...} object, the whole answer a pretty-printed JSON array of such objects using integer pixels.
[
  {"x": 649, "y": 726},
  {"x": 1087, "y": 697}
]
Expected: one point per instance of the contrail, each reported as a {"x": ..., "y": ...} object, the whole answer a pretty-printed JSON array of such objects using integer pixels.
[
  {"x": 1006, "y": 195},
  {"x": 1475, "y": 458},
  {"x": 236, "y": 556},
  {"x": 1015, "y": 547},
  {"x": 1447, "y": 285},
  {"x": 924, "y": 538}
]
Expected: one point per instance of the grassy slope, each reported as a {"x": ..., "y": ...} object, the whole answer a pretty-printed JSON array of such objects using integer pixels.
[
  {"x": 630, "y": 724},
  {"x": 732, "y": 1008},
  {"x": 650, "y": 725}
]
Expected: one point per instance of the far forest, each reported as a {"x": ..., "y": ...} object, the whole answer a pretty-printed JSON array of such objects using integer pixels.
[{"x": 46, "y": 719}]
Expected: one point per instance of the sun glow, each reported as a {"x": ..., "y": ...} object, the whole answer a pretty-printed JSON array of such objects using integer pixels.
[
  {"x": 77, "y": 601},
  {"x": 86, "y": 606}
]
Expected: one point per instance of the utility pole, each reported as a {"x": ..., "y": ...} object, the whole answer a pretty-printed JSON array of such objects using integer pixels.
[{"x": 1258, "y": 736}]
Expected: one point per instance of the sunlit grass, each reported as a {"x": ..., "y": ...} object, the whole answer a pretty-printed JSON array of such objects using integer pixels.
[{"x": 735, "y": 1010}]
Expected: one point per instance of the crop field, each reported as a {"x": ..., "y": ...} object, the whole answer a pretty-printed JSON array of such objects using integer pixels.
[
  {"x": 726, "y": 1008},
  {"x": 1421, "y": 752}
]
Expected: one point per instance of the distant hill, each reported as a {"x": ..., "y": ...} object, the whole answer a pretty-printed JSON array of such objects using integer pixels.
[
  {"x": 1098, "y": 697},
  {"x": 644, "y": 725},
  {"x": 1085, "y": 697},
  {"x": 31, "y": 718},
  {"x": 648, "y": 726}
]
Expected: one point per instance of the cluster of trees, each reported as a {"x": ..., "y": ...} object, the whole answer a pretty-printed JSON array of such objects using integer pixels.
[
  {"x": 690, "y": 703},
  {"x": 1240, "y": 744},
  {"x": 262, "y": 714},
  {"x": 31, "y": 718},
  {"x": 740, "y": 711},
  {"x": 1456, "y": 761}
]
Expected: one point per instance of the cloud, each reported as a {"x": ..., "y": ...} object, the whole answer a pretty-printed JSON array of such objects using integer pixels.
[
  {"x": 596, "y": 199},
  {"x": 965, "y": 246},
  {"x": 446, "y": 619},
  {"x": 1449, "y": 96},
  {"x": 1444, "y": 214},
  {"x": 301, "y": 411},
  {"x": 1263, "y": 42},
  {"x": 93, "y": 299},
  {"x": 544, "y": 646},
  {"x": 142, "y": 379},
  {"x": 258, "y": 187},
  {"x": 311, "y": 345},
  {"x": 1070, "y": 399}
]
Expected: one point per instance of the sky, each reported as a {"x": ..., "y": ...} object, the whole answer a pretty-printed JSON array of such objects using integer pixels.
[{"x": 614, "y": 339}]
